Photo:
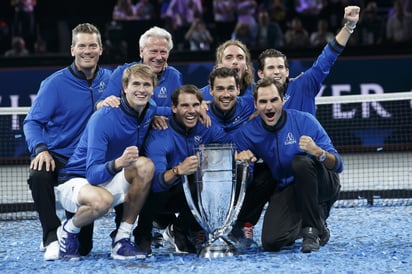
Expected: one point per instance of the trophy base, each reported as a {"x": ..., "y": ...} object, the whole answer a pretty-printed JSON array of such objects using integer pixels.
[{"x": 218, "y": 248}]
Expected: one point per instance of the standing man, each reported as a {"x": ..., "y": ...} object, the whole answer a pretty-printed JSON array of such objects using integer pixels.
[
  {"x": 54, "y": 124},
  {"x": 107, "y": 168},
  {"x": 155, "y": 46},
  {"x": 173, "y": 151},
  {"x": 300, "y": 94},
  {"x": 304, "y": 167},
  {"x": 235, "y": 55}
]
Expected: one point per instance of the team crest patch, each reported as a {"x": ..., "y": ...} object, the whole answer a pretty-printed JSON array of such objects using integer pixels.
[
  {"x": 102, "y": 87},
  {"x": 290, "y": 139},
  {"x": 162, "y": 93}
]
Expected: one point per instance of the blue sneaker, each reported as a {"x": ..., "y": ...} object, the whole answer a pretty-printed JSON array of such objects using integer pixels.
[
  {"x": 69, "y": 244},
  {"x": 124, "y": 249}
]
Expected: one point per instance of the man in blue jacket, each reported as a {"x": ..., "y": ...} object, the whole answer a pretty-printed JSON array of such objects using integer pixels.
[
  {"x": 303, "y": 164},
  {"x": 228, "y": 110},
  {"x": 300, "y": 94},
  {"x": 235, "y": 55},
  {"x": 154, "y": 48},
  {"x": 54, "y": 124},
  {"x": 107, "y": 168},
  {"x": 173, "y": 151}
]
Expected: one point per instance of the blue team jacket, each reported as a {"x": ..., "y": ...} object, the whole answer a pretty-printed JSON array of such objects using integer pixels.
[
  {"x": 278, "y": 145},
  {"x": 301, "y": 91},
  {"x": 170, "y": 79},
  {"x": 238, "y": 115},
  {"x": 63, "y": 105},
  {"x": 108, "y": 133},
  {"x": 168, "y": 148}
]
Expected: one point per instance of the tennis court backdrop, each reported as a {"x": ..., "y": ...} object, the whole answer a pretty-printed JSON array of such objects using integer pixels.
[{"x": 372, "y": 132}]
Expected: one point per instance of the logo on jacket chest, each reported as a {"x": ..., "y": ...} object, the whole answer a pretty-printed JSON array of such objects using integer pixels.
[
  {"x": 162, "y": 93},
  {"x": 290, "y": 139}
]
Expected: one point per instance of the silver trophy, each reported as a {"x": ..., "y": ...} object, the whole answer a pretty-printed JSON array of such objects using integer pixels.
[{"x": 218, "y": 193}]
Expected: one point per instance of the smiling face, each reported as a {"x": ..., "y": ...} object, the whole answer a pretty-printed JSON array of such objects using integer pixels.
[
  {"x": 269, "y": 104},
  {"x": 187, "y": 109},
  {"x": 155, "y": 53},
  {"x": 275, "y": 68},
  {"x": 224, "y": 92},
  {"x": 138, "y": 91},
  {"x": 86, "y": 51}
]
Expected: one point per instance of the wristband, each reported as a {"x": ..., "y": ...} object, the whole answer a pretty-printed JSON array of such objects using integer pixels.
[{"x": 349, "y": 27}]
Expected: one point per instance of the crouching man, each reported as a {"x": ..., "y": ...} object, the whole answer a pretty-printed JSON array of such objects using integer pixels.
[{"x": 107, "y": 169}]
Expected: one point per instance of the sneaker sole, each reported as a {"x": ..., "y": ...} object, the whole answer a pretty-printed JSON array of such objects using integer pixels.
[
  {"x": 123, "y": 258},
  {"x": 52, "y": 255}
]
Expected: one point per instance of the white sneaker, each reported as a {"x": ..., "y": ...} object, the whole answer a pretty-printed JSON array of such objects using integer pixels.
[{"x": 52, "y": 251}]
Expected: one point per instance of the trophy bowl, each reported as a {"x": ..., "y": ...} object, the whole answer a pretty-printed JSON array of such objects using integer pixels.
[{"x": 215, "y": 196}]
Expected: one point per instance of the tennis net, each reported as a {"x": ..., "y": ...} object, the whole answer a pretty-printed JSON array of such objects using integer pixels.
[{"x": 372, "y": 132}]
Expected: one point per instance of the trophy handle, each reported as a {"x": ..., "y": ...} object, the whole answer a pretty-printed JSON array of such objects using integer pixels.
[{"x": 190, "y": 202}]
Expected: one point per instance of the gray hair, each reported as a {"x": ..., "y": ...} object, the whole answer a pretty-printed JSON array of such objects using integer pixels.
[{"x": 156, "y": 32}]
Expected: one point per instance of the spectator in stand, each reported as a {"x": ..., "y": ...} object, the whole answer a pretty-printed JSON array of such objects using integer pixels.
[
  {"x": 296, "y": 36},
  {"x": 322, "y": 36},
  {"x": 144, "y": 10},
  {"x": 24, "y": 22},
  {"x": 182, "y": 13},
  {"x": 243, "y": 33},
  {"x": 269, "y": 33},
  {"x": 225, "y": 19},
  {"x": 18, "y": 48},
  {"x": 277, "y": 10},
  {"x": 399, "y": 25},
  {"x": 371, "y": 27},
  {"x": 332, "y": 12},
  {"x": 246, "y": 14},
  {"x": 124, "y": 10},
  {"x": 199, "y": 36}
]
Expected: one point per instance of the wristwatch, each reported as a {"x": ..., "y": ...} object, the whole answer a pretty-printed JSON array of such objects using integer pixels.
[
  {"x": 322, "y": 157},
  {"x": 175, "y": 171}
]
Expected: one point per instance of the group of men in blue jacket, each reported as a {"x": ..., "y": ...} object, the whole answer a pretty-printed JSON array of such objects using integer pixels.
[{"x": 96, "y": 160}]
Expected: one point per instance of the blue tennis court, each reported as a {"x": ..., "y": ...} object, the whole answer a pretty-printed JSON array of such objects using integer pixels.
[{"x": 364, "y": 239}]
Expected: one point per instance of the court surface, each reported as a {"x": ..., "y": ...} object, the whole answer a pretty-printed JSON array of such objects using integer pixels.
[{"x": 364, "y": 239}]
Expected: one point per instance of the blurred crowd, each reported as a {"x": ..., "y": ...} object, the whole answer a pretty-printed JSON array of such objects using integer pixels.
[{"x": 199, "y": 25}]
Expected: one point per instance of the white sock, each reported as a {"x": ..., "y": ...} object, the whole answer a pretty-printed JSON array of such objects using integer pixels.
[
  {"x": 124, "y": 231},
  {"x": 71, "y": 228}
]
